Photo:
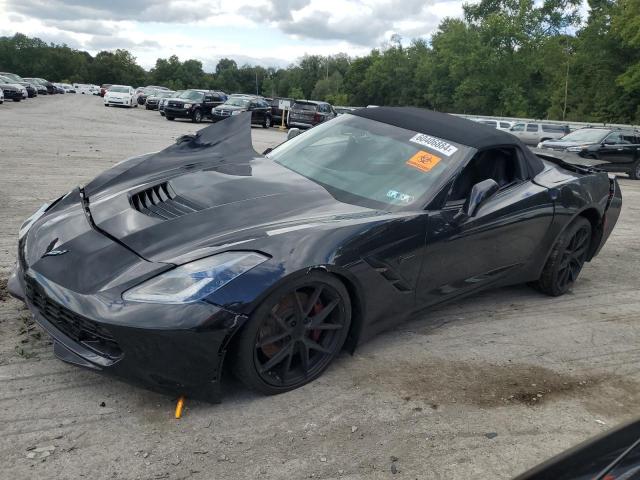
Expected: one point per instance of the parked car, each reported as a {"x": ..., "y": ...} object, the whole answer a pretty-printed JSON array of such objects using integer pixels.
[
  {"x": 534, "y": 133},
  {"x": 32, "y": 91},
  {"x": 276, "y": 112},
  {"x": 103, "y": 88},
  {"x": 143, "y": 92},
  {"x": 612, "y": 455},
  {"x": 59, "y": 88},
  {"x": 259, "y": 108},
  {"x": 309, "y": 113},
  {"x": 68, "y": 88},
  {"x": 193, "y": 104},
  {"x": 40, "y": 87},
  {"x": 51, "y": 89},
  {"x": 86, "y": 89},
  {"x": 175, "y": 264},
  {"x": 153, "y": 101},
  {"x": 163, "y": 101},
  {"x": 120, "y": 95},
  {"x": 498, "y": 124},
  {"x": 29, "y": 89},
  {"x": 610, "y": 149},
  {"x": 13, "y": 91}
]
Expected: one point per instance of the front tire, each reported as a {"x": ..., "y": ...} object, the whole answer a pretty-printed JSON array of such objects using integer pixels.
[
  {"x": 267, "y": 122},
  {"x": 197, "y": 116},
  {"x": 566, "y": 259},
  {"x": 635, "y": 171},
  {"x": 293, "y": 336}
]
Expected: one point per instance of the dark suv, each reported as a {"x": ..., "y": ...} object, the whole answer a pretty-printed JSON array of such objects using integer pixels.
[
  {"x": 611, "y": 149},
  {"x": 193, "y": 104},
  {"x": 258, "y": 106},
  {"x": 309, "y": 113}
]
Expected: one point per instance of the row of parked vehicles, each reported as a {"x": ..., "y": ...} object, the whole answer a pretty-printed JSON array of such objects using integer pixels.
[
  {"x": 17, "y": 88},
  {"x": 199, "y": 105}
]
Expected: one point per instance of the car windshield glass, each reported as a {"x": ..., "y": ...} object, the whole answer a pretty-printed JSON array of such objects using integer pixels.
[
  {"x": 305, "y": 106},
  {"x": 237, "y": 102},
  {"x": 361, "y": 159},
  {"x": 119, "y": 89},
  {"x": 191, "y": 95},
  {"x": 586, "y": 135},
  {"x": 13, "y": 76}
]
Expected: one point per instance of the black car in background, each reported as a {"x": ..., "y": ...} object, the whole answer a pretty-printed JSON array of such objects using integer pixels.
[
  {"x": 153, "y": 101},
  {"x": 47, "y": 88},
  {"x": 276, "y": 111},
  {"x": 13, "y": 78},
  {"x": 193, "y": 104},
  {"x": 258, "y": 106},
  {"x": 144, "y": 92},
  {"x": 610, "y": 149},
  {"x": 309, "y": 113},
  {"x": 12, "y": 91},
  {"x": 163, "y": 101}
]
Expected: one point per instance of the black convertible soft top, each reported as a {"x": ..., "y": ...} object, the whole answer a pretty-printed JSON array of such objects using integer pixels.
[
  {"x": 443, "y": 125},
  {"x": 449, "y": 127}
]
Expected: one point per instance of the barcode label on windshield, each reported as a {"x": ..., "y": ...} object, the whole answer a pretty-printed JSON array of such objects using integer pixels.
[{"x": 434, "y": 143}]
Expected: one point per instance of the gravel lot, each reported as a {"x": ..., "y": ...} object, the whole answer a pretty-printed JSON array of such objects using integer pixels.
[{"x": 483, "y": 388}]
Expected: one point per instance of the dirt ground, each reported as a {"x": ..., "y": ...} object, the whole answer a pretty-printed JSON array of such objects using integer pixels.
[{"x": 483, "y": 388}]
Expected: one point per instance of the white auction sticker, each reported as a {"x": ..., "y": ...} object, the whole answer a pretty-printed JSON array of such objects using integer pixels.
[{"x": 434, "y": 143}]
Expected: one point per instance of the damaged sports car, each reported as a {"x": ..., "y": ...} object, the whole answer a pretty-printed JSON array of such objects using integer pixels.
[{"x": 170, "y": 265}]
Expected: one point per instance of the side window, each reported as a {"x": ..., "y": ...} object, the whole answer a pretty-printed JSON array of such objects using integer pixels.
[
  {"x": 208, "y": 98},
  {"x": 504, "y": 125},
  {"x": 532, "y": 127},
  {"x": 504, "y": 165},
  {"x": 628, "y": 137},
  {"x": 613, "y": 139},
  {"x": 252, "y": 105},
  {"x": 553, "y": 128},
  {"x": 518, "y": 127}
]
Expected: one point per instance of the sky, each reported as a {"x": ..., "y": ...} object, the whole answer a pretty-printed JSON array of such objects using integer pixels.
[{"x": 259, "y": 32}]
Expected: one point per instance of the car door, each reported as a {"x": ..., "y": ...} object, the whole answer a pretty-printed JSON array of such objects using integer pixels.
[
  {"x": 618, "y": 149},
  {"x": 531, "y": 134},
  {"x": 207, "y": 104},
  {"x": 518, "y": 130},
  {"x": 501, "y": 242},
  {"x": 257, "y": 116}
]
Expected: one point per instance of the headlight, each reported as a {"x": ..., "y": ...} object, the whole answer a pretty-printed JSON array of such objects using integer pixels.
[
  {"x": 236, "y": 112},
  {"x": 24, "y": 228},
  {"x": 187, "y": 105},
  {"x": 194, "y": 281},
  {"x": 539, "y": 145},
  {"x": 576, "y": 149}
]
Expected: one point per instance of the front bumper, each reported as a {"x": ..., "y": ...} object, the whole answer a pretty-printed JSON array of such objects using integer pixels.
[
  {"x": 178, "y": 112},
  {"x": 168, "y": 348},
  {"x": 116, "y": 101},
  {"x": 299, "y": 124}
]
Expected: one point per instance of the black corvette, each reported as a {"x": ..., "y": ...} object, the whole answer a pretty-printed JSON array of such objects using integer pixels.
[{"x": 169, "y": 264}]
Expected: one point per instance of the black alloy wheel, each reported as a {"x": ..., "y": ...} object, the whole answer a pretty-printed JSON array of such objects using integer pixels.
[
  {"x": 197, "y": 116},
  {"x": 567, "y": 258},
  {"x": 294, "y": 335}
]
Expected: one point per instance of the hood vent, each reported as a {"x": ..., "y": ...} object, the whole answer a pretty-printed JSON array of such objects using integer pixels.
[{"x": 161, "y": 201}]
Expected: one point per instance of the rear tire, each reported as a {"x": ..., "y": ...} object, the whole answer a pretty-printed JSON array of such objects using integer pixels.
[
  {"x": 170, "y": 118},
  {"x": 635, "y": 171},
  {"x": 280, "y": 349},
  {"x": 566, "y": 259}
]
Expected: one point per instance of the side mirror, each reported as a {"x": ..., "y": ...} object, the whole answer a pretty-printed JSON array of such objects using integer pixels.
[
  {"x": 293, "y": 132},
  {"x": 479, "y": 193}
]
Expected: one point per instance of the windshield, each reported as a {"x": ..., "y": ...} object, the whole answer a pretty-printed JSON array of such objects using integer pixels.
[
  {"x": 13, "y": 76},
  {"x": 191, "y": 95},
  {"x": 383, "y": 164},
  {"x": 237, "y": 102},
  {"x": 119, "y": 89},
  {"x": 590, "y": 135}
]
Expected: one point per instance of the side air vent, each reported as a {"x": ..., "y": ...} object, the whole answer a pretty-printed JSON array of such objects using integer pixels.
[
  {"x": 161, "y": 201},
  {"x": 389, "y": 274}
]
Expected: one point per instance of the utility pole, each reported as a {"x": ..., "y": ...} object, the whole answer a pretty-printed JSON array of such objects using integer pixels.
[{"x": 257, "y": 82}]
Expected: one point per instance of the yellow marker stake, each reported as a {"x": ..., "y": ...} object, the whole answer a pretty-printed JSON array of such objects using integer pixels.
[{"x": 179, "y": 406}]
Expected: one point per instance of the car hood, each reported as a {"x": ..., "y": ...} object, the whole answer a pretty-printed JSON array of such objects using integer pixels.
[
  {"x": 207, "y": 192},
  {"x": 11, "y": 86},
  {"x": 230, "y": 107},
  {"x": 564, "y": 143}
]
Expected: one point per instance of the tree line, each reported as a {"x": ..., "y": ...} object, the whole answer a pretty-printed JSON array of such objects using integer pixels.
[{"x": 518, "y": 58}]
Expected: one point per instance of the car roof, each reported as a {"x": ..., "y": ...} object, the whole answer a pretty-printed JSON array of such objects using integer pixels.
[{"x": 449, "y": 127}]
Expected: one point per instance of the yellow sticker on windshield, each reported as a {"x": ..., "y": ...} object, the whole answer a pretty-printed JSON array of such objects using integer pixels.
[{"x": 423, "y": 161}]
